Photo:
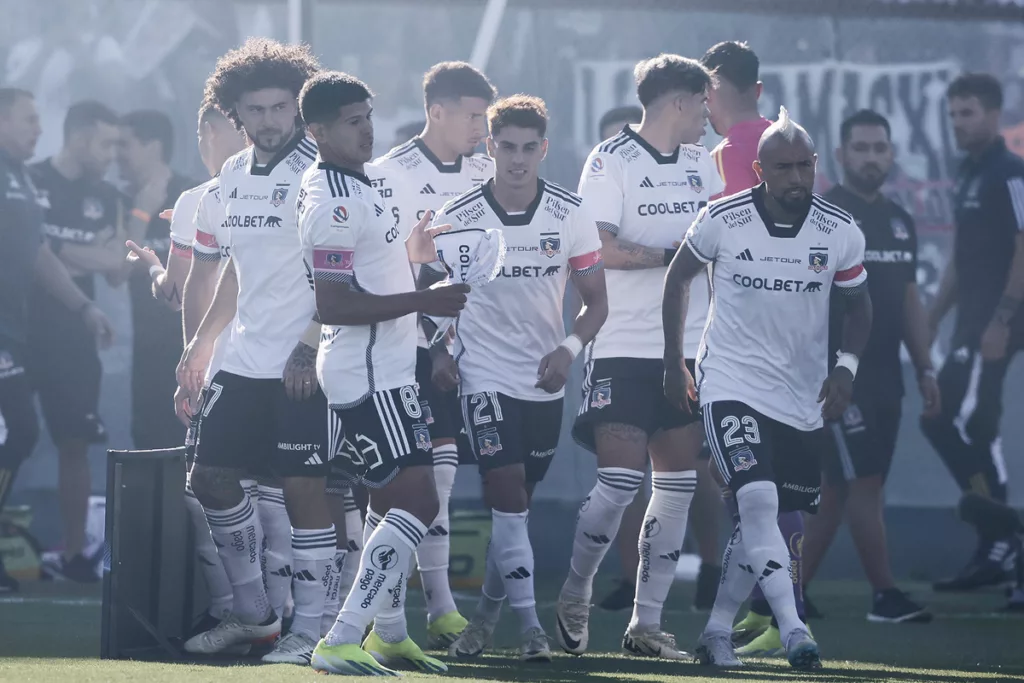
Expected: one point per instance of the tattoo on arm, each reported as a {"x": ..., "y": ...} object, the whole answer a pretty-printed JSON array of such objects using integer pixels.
[
  {"x": 619, "y": 435},
  {"x": 303, "y": 358}
]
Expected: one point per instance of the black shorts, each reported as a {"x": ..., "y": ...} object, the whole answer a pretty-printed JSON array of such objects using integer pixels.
[
  {"x": 19, "y": 425},
  {"x": 747, "y": 447},
  {"x": 865, "y": 436},
  {"x": 373, "y": 441},
  {"x": 629, "y": 391},
  {"x": 65, "y": 370},
  {"x": 508, "y": 431},
  {"x": 251, "y": 425},
  {"x": 441, "y": 409}
]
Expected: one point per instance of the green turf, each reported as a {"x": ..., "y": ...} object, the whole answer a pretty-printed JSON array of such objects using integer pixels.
[{"x": 50, "y": 632}]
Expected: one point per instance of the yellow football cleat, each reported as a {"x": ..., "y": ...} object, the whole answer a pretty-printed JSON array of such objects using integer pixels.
[
  {"x": 768, "y": 644},
  {"x": 752, "y": 626},
  {"x": 403, "y": 655},
  {"x": 445, "y": 630},
  {"x": 347, "y": 660}
]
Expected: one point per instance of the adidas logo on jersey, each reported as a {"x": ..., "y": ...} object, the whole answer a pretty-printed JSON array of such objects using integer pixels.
[
  {"x": 427, "y": 189},
  {"x": 646, "y": 182},
  {"x": 234, "y": 194},
  {"x": 745, "y": 255}
]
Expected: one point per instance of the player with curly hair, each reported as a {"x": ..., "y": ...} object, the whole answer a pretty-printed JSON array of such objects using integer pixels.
[{"x": 263, "y": 410}]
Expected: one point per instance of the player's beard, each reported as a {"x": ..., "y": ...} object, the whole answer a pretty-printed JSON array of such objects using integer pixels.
[
  {"x": 866, "y": 184},
  {"x": 792, "y": 205},
  {"x": 281, "y": 141}
]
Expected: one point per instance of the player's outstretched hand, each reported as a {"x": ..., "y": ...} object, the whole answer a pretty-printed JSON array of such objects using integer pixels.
[
  {"x": 445, "y": 373},
  {"x": 167, "y": 214},
  {"x": 99, "y": 325},
  {"x": 836, "y": 392},
  {"x": 141, "y": 256},
  {"x": 420, "y": 242},
  {"x": 680, "y": 389},
  {"x": 553, "y": 370},
  {"x": 191, "y": 371},
  {"x": 183, "y": 406},
  {"x": 300, "y": 373},
  {"x": 929, "y": 388},
  {"x": 443, "y": 300}
]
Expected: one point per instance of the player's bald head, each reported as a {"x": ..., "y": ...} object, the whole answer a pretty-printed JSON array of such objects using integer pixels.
[{"x": 784, "y": 133}]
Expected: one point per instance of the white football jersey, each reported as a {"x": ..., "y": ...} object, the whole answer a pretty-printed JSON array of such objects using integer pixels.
[
  {"x": 648, "y": 198},
  {"x": 509, "y": 324},
  {"x": 416, "y": 181},
  {"x": 183, "y": 221},
  {"x": 208, "y": 225},
  {"x": 349, "y": 234},
  {"x": 275, "y": 304},
  {"x": 766, "y": 340}
]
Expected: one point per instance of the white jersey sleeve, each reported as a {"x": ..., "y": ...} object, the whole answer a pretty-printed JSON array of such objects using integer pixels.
[
  {"x": 850, "y": 270},
  {"x": 703, "y": 237},
  {"x": 210, "y": 240},
  {"x": 183, "y": 226},
  {"x": 328, "y": 246},
  {"x": 602, "y": 190},
  {"x": 585, "y": 242}
]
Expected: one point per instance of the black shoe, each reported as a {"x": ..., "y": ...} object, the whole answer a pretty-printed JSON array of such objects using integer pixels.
[
  {"x": 621, "y": 598},
  {"x": 8, "y": 584},
  {"x": 708, "y": 579},
  {"x": 203, "y": 624},
  {"x": 811, "y": 611},
  {"x": 892, "y": 606},
  {"x": 78, "y": 569},
  {"x": 988, "y": 567}
]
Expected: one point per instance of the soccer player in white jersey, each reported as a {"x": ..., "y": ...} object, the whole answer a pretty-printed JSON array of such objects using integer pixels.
[
  {"x": 511, "y": 325},
  {"x": 264, "y": 411},
  {"x": 429, "y": 170},
  {"x": 358, "y": 261},
  {"x": 762, "y": 374},
  {"x": 642, "y": 187}
]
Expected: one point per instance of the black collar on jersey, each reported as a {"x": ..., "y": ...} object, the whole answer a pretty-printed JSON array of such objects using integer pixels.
[
  {"x": 282, "y": 153},
  {"x": 524, "y": 218},
  {"x": 432, "y": 158},
  {"x": 655, "y": 154},
  {"x": 757, "y": 194},
  {"x": 881, "y": 201},
  {"x": 995, "y": 149},
  {"x": 328, "y": 166}
]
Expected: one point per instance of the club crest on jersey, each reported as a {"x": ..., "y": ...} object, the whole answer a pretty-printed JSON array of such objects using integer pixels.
[
  {"x": 279, "y": 195},
  {"x": 601, "y": 396},
  {"x": 422, "y": 437},
  {"x": 551, "y": 246},
  {"x": 696, "y": 184},
  {"x": 899, "y": 228},
  {"x": 597, "y": 165},
  {"x": 742, "y": 459},
  {"x": 818, "y": 260},
  {"x": 92, "y": 209},
  {"x": 340, "y": 214},
  {"x": 488, "y": 444}
]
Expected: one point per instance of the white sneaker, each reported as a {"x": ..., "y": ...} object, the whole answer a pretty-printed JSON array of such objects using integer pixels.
[
  {"x": 294, "y": 648},
  {"x": 474, "y": 639},
  {"x": 573, "y": 631},
  {"x": 230, "y": 633},
  {"x": 535, "y": 647},
  {"x": 653, "y": 644},
  {"x": 715, "y": 649},
  {"x": 802, "y": 651}
]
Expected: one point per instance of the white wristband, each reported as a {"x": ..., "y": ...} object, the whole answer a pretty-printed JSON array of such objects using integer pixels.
[
  {"x": 572, "y": 344},
  {"x": 848, "y": 361},
  {"x": 155, "y": 270},
  {"x": 311, "y": 336}
]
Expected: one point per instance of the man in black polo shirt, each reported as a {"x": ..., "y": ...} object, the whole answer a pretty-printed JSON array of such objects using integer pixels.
[
  {"x": 855, "y": 471},
  {"x": 147, "y": 139},
  {"x": 24, "y": 261},
  {"x": 984, "y": 279},
  {"x": 82, "y": 224}
]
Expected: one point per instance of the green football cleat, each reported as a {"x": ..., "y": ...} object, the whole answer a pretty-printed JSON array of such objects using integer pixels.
[
  {"x": 752, "y": 626},
  {"x": 445, "y": 630},
  {"x": 347, "y": 660},
  {"x": 403, "y": 655},
  {"x": 768, "y": 644}
]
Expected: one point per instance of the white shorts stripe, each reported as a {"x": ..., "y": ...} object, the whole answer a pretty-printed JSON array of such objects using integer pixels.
[
  {"x": 849, "y": 474},
  {"x": 385, "y": 421},
  {"x": 399, "y": 424},
  {"x": 716, "y": 452},
  {"x": 970, "y": 401}
]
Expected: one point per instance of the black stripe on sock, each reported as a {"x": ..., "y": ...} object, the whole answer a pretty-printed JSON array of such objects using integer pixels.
[{"x": 404, "y": 527}]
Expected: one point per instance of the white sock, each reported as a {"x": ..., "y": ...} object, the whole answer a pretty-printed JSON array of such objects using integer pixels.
[
  {"x": 217, "y": 583},
  {"x": 313, "y": 553},
  {"x": 382, "y": 568},
  {"x": 766, "y": 551},
  {"x": 661, "y": 544},
  {"x": 493, "y": 593},
  {"x": 239, "y": 537},
  {"x": 251, "y": 487},
  {"x": 432, "y": 555},
  {"x": 332, "y": 605},
  {"x": 513, "y": 557},
  {"x": 277, "y": 554},
  {"x": 389, "y": 623},
  {"x": 354, "y": 530},
  {"x": 597, "y": 525},
  {"x": 737, "y": 582}
]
